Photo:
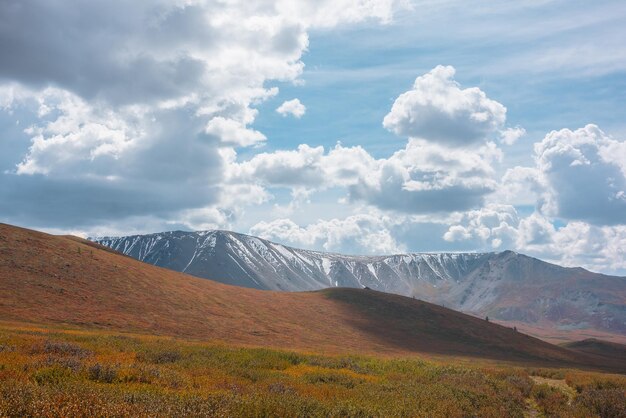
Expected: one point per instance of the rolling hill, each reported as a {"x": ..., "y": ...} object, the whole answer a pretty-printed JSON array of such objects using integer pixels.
[
  {"x": 59, "y": 280},
  {"x": 556, "y": 303}
]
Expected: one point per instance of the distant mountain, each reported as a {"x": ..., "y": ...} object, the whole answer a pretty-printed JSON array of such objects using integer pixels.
[
  {"x": 66, "y": 281},
  {"x": 550, "y": 300}
]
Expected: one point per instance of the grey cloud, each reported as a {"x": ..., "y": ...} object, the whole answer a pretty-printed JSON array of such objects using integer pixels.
[
  {"x": 96, "y": 51},
  {"x": 74, "y": 203},
  {"x": 394, "y": 197}
]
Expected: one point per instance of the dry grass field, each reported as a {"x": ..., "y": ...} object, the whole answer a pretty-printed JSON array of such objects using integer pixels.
[
  {"x": 89, "y": 332},
  {"x": 72, "y": 373}
]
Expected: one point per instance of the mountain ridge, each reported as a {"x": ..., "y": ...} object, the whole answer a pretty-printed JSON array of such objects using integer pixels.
[
  {"x": 506, "y": 286},
  {"x": 54, "y": 280}
]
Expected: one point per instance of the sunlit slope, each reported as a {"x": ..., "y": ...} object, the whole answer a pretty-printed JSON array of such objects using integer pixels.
[{"x": 59, "y": 280}]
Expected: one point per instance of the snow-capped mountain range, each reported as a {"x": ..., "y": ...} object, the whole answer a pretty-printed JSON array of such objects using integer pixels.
[{"x": 506, "y": 285}]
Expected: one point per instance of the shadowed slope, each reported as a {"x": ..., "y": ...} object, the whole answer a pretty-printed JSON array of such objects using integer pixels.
[
  {"x": 611, "y": 351},
  {"x": 57, "y": 280},
  {"x": 555, "y": 303}
]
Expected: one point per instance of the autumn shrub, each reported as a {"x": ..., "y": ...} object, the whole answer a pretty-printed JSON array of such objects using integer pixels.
[
  {"x": 5, "y": 348},
  {"x": 606, "y": 403},
  {"x": 522, "y": 383},
  {"x": 102, "y": 373},
  {"x": 53, "y": 375},
  {"x": 333, "y": 378},
  {"x": 95, "y": 374},
  {"x": 558, "y": 374},
  {"x": 159, "y": 357},
  {"x": 63, "y": 348},
  {"x": 552, "y": 401}
]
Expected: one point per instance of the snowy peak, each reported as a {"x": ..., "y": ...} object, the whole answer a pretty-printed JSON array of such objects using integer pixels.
[
  {"x": 504, "y": 285},
  {"x": 254, "y": 262}
]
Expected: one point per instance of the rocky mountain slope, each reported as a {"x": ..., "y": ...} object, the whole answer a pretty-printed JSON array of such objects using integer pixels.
[{"x": 548, "y": 299}]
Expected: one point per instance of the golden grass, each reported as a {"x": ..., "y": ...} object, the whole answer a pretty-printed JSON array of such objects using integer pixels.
[{"x": 51, "y": 372}]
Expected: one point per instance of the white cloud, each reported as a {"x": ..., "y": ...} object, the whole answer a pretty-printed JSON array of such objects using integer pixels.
[
  {"x": 329, "y": 13},
  {"x": 584, "y": 175},
  {"x": 498, "y": 227},
  {"x": 293, "y": 108},
  {"x": 438, "y": 110},
  {"x": 293, "y": 168},
  {"x": 431, "y": 174},
  {"x": 80, "y": 134},
  {"x": 519, "y": 186},
  {"x": 361, "y": 234},
  {"x": 511, "y": 135},
  {"x": 427, "y": 178},
  {"x": 232, "y": 132},
  {"x": 493, "y": 226},
  {"x": 143, "y": 125},
  {"x": 421, "y": 178}
]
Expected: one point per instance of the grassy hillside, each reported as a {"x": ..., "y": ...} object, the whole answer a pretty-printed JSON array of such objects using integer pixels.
[
  {"x": 609, "y": 350},
  {"x": 47, "y": 279},
  {"x": 51, "y": 372}
]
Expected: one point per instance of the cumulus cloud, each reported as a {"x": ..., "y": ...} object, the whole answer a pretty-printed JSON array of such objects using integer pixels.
[
  {"x": 577, "y": 186},
  {"x": 498, "y": 227},
  {"x": 293, "y": 108},
  {"x": 437, "y": 109},
  {"x": 361, "y": 234},
  {"x": 289, "y": 168},
  {"x": 143, "y": 125},
  {"x": 511, "y": 135},
  {"x": 428, "y": 178},
  {"x": 493, "y": 225},
  {"x": 431, "y": 174},
  {"x": 584, "y": 175},
  {"x": 232, "y": 132},
  {"x": 421, "y": 178}
]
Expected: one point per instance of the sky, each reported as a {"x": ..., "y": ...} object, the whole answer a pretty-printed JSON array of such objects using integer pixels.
[{"x": 353, "y": 126}]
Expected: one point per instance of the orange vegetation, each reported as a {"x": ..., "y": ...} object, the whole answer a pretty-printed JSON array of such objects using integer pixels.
[{"x": 47, "y": 279}]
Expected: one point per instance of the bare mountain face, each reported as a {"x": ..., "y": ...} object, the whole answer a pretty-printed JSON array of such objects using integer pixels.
[{"x": 506, "y": 286}]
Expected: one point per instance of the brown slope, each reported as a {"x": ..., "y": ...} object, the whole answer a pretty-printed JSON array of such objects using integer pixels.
[
  {"x": 57, "y": 280},
  {"x": 611, "y": 351}
]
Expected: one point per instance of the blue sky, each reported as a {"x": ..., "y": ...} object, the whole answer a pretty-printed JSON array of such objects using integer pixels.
[{"x": 162, "y": 115}]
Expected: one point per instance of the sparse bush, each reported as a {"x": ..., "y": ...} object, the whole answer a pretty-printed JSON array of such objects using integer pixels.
[
  {"x": 53, "y": 375},
  {"x": 548, "y": 373},
  {"x": 4, "y": 348},
  {"x": 140, "y": 373},
  {"x": 523, "y": 384},
  {"x": 280, "y": 388},
  {"x": 102, "y": 373},
  {"x": 552, "y": 401},
  {"x": 159, "y": 357},
  {"x": 333, "y": 378},
  {"x": 70, "y": 363},
  {"x": 607, "y": 403},
  {"x": 61, "y": 348}
]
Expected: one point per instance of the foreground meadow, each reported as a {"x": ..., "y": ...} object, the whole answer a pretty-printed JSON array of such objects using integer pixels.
[{"x": 53, "y": 372}]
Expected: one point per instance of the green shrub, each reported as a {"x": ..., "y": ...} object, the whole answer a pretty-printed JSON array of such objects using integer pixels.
[{"x": 53, "y": 375}]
